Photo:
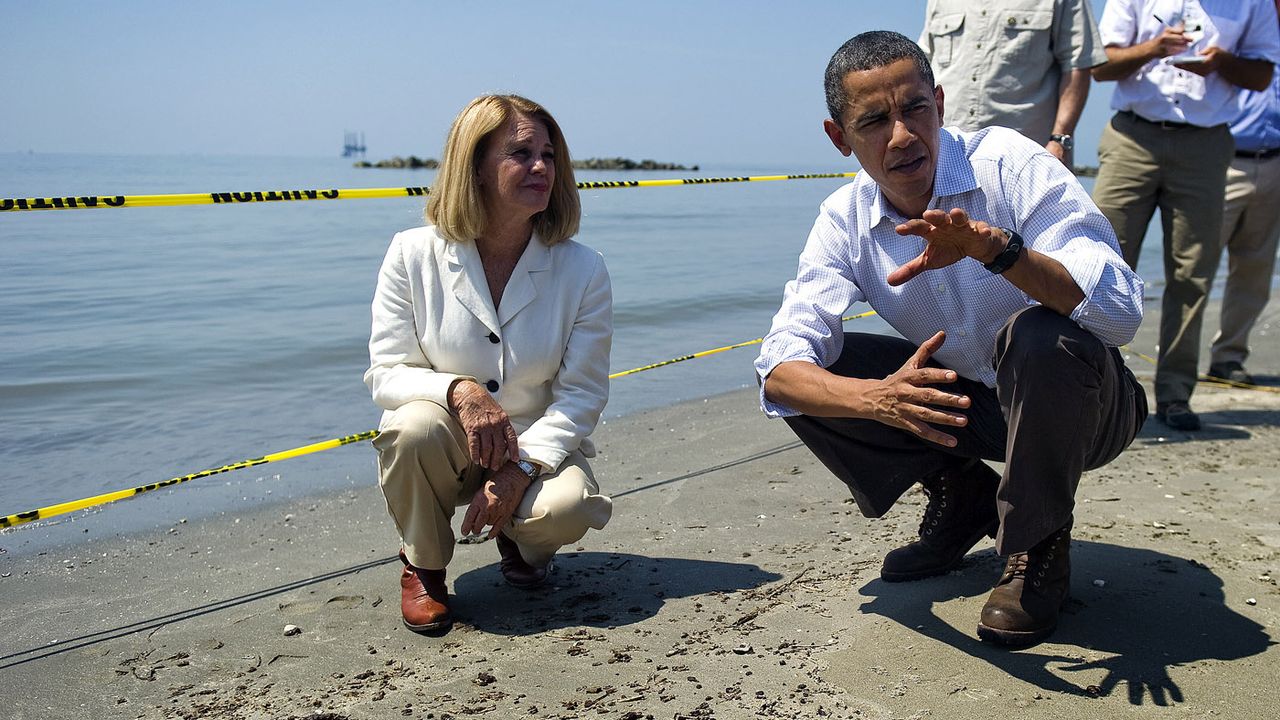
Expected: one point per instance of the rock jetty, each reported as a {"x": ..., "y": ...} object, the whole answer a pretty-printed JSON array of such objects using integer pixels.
[
  {"x": 413, "y": 162},
  {"x": 619, "y": 163}
]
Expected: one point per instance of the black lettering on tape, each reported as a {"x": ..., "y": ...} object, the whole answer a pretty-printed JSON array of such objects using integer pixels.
[
  {"x": 271, "y": 196},
  {"x": 7, "y": 204},
  {"x": 20, "y": 518},
  {"x": 242, "y": 197},
  {"x": 220, "y": 197},
  {"x": 330, "y": 194},
  {"x": 311, "y": 194},
  {"x": 41, "y": 204},
  {"x": 117, "y": 201}
]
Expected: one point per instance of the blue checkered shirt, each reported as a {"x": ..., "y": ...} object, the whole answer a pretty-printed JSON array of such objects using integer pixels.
[{"x": 995, "y": 175}]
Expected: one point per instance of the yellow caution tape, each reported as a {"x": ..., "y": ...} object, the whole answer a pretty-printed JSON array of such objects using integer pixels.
[
  {"x": 1211, "y": 380},
  {"x": 63, "y": 508},
  {"x": 66, "y": 507},
  {"x": 87, "y": 202},
  {"x": 713, "y": 351}
]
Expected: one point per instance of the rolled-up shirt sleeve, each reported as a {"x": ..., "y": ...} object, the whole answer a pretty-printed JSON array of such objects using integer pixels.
[
  {"x": 1118, "y": 25},
  {"x": 808, "y": 327},
  {"x": 1061, "y": 221}
]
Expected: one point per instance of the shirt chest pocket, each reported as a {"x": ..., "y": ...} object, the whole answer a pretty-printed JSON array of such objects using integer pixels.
[
  {"x": 1026, "y": 35},
  {"x": 944, "y": 33}
]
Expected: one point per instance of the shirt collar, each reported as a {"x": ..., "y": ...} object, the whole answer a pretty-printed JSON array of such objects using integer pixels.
[{"x": 954, "y": 175}]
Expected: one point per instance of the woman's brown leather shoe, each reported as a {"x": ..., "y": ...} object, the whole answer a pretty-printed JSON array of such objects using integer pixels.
[
  {"x": 1023, "y": 608},
  {"x": 424, "y": 599},
  {"x": 515, "y": 570}
]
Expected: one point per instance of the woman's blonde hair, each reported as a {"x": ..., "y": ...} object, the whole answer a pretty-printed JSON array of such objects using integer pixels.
[{"x": 456, "y": 206}]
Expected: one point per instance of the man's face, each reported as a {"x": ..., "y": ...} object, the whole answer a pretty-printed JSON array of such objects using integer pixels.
[{"x": 891, "y": 125}]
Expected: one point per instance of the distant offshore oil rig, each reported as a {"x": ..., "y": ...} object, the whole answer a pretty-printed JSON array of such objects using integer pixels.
[{"x": 353, "y": 144}]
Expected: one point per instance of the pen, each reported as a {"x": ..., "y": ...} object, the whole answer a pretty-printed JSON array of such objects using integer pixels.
[{"x": 1157, "y": 17}]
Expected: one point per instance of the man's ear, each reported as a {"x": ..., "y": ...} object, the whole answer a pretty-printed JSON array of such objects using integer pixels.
[
  {"x": 937, "y": 99},
  {"x": 836, "y": 133}
]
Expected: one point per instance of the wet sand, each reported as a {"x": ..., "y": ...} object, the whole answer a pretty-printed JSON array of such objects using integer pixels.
[{"x": 737, "y": 580}]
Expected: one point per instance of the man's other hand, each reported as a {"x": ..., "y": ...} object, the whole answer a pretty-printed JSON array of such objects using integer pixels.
[{"x": 905, "y": 399}]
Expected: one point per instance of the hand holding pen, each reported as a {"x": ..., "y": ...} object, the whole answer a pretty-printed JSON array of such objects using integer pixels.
[{"x": 1171, "y": 41}]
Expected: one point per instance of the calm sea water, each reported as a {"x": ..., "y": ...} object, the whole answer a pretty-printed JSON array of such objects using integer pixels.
[{"x": 142, "y": 344}]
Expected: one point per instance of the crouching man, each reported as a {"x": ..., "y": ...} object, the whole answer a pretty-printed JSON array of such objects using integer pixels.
[{"x": 984, "y": 252}]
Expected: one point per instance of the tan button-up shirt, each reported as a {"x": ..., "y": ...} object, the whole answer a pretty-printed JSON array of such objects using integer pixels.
[{"x": 1000, "y": 61}]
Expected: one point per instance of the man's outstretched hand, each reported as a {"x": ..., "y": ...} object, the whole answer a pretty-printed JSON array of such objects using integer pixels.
[{"x": 950, "y": 237}]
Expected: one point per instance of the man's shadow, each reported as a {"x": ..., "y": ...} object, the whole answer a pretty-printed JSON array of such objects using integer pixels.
[
  {"x": 1154, "y": 612},
  {"x": 594, "y": 589}
]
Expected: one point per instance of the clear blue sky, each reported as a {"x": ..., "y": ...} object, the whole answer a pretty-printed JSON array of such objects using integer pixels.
[{"x": 696, "y": 82}]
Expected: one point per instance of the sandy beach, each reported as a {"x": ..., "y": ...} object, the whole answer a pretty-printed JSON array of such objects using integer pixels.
[{"x": 737, "y": 580}]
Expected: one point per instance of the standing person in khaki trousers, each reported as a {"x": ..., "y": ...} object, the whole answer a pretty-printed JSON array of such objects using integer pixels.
[
  {"x": 1179, "y": 65},
  {"x": 1250, "y": 228},
  {"x": 490, "y": 355}
]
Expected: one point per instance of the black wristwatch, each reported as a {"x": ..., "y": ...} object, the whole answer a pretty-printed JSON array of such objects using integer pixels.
[
  {"x": 1066, "y": 141},
  {"x": 1009, "y": 255}
]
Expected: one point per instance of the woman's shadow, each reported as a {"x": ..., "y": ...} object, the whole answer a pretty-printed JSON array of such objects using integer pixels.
[
  {"x": 594, "y": 589},
  {"x": 1154, "y": 612}
]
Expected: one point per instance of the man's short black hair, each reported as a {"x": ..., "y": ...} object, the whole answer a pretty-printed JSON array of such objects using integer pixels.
[{"x": 868, "y": 51}]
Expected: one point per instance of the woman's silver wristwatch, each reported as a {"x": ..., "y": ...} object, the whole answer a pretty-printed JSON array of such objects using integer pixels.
[{"x": 528, "y": 468}]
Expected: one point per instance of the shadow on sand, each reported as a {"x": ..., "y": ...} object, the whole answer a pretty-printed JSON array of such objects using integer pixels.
[
  {"x": 1216, "y": 425},
  {"x": 593, "y": 589},
  {"x": 1155, "y": 612}
]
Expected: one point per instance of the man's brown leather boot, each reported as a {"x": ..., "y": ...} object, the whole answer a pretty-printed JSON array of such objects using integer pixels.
[
  {"x": 1023, "y": 608},
  {"x": 961, "y": 510},
  {"x": 424, "y": 600}
]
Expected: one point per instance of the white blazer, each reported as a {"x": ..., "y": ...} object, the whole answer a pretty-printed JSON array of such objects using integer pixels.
[{"x": 543, "y": 353}]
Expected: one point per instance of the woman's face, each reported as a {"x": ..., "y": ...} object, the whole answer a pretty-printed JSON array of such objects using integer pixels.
[{"x": 518, "y": 168}]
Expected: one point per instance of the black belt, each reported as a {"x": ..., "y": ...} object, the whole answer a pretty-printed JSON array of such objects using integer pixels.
[
  {"x": 1163, "y": 124},
  {"x": 1258, "y": 154}
]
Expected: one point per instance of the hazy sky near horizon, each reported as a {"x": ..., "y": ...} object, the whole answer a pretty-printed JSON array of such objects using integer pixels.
[{"x": 712, "y": 83}]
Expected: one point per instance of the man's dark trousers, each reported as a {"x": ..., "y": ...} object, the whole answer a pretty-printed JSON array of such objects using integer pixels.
[{"x": 1063, "y": 403}]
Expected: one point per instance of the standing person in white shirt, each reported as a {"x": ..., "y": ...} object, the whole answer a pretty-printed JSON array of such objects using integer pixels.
[
  {"x": 1179, "y": 65},
  {"x": 984, "y": 252},
  {"x": 1021, "y": 64}
]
